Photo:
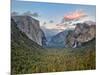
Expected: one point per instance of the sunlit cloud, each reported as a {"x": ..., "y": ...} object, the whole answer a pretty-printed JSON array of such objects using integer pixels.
[
  {"x": 72, "y": 18},
  {"x": 76, "y": 15}
]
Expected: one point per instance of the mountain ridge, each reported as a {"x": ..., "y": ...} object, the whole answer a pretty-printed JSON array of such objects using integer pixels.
[
  {"x": 31, "y": 28},
  {"x": 83, "y": 33}
]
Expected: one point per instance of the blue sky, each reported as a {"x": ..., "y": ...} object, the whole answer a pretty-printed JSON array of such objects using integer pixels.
[{"x": 51, "y": 10}]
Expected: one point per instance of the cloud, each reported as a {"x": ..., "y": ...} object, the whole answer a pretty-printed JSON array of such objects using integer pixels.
[
  {"x": 14, "y": 13},
  {"x": 76, "y": 15},
  {"x": 29, "y": 13},
  {"x": 64, "y": 27}
]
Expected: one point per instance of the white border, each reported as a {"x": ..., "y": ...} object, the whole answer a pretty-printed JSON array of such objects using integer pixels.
[
  {"x": 88, "y": 2},
  {"x": 4, "y": 37}
]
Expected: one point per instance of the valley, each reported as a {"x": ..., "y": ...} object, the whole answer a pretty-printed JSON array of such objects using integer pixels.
[{"x": 29, "y": 56}]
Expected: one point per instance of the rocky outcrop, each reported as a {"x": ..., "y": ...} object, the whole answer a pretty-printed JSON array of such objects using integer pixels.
[
  {"x": 83, "y": 33},
  {"x": 31, "y": 28}
]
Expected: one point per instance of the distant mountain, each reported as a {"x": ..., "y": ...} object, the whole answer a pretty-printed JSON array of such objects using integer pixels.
[
  {"x": 58, "y": 40},
  {"x": 83, "y": 33},
  {"x": 31, "y": 28},
  {"x": 24, "y": 51},
  {"x": 49, "y": 32}
]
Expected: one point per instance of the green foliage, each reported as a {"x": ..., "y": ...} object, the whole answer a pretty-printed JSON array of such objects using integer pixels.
[
  {"x": 24, "y": 52},
  {"x": 54, "y": 60},
  {"x": 29, "y": 57}
]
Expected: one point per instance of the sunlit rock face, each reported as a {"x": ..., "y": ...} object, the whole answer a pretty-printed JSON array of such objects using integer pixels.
[
  {"x": 31, "y": 28},
  {"x": 83, "y": 33}
]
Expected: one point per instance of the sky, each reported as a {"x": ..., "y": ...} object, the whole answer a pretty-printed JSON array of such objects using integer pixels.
[{"x": 56, "y": 12}]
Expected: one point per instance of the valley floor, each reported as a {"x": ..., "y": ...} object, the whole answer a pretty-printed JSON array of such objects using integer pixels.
[
  {"x": 56, "y": 60},
  {"x": 68, "y": 59}
]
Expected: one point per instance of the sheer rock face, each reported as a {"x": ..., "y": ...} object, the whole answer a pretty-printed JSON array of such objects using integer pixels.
[
  {"x": 83, "y": 33},
  {"x": 31, "y": 28}
]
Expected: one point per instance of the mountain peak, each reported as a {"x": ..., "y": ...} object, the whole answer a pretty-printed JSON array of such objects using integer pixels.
[{"x": 30, "y": 27}]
